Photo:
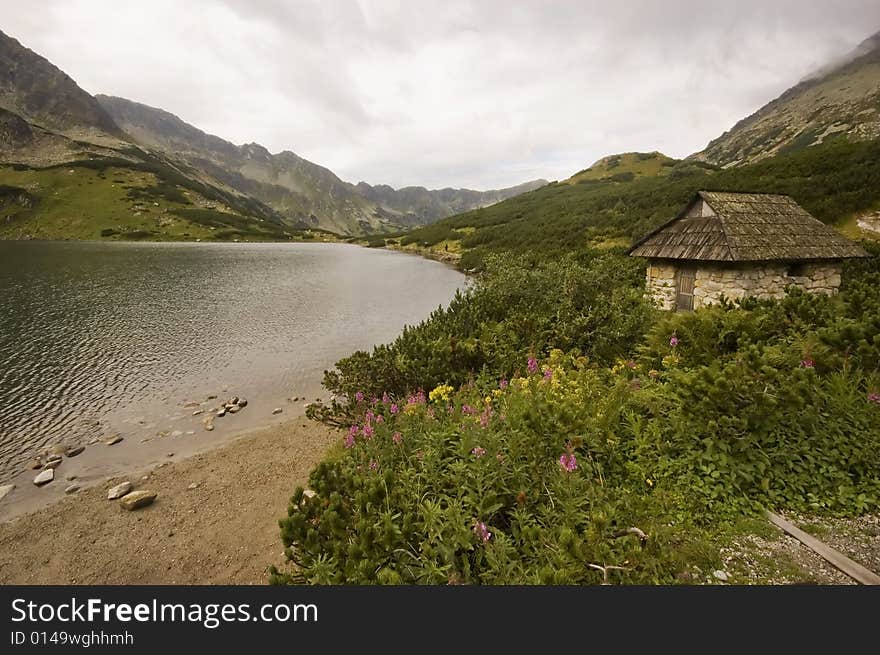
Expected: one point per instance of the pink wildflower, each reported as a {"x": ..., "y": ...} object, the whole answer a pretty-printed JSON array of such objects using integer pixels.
[
  {"x": 349, "y": 441},
  {"x": 503, "y": 384},
  {"x": 369, "y": 416},
  {"x": 397, "y": 437},
  {"x": 478, "y": 452},
  {"x": 482, "y": 531},
  {"x": 394, "y": 408},
  {"x": 359, "y": 397},
  {"x": 385, "y": 398},
  {"x": 808, "y": 363},
  {"x": 380, "y": 419},
  {"x": 673, "y": 341},
  {"x": 874, "y": 397},
  {"x": 568, "y": 462},
  {"x": 532, "y": 365},
  {"x": 374, "y": 465},
  {"x": 548, "y": 374},
  {"x": 467, "y": 409},
  {"x": 368, "y": 431}
]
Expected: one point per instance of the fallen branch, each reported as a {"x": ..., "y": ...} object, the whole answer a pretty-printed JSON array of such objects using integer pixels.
[
  {"x": 622, "y": 533},
  {"x": 605, "y": 570}
]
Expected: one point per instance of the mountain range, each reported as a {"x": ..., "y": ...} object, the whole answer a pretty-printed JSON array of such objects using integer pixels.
[
  {"x": 75, "y": 165},
  {"x": 199, "y": 181}
]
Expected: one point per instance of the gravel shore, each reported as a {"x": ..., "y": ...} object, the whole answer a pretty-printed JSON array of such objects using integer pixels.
[{"x": 215, "y": 520}]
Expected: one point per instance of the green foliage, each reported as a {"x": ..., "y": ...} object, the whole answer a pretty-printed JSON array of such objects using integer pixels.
[
  {"x": 679, "y": 424},
  {"x": 832, "y": 181}
]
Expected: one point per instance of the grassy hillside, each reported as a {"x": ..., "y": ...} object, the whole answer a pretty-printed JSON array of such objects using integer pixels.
[
  {"x": 832, "y": 181},
  {"x": 625, "y": 167},
  {"x": 110, "y": 198}
]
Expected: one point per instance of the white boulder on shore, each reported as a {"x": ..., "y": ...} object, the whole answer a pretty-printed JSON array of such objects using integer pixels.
[
  {"x": 119, "y": 490},
  {"x": 45, "y": 477}
]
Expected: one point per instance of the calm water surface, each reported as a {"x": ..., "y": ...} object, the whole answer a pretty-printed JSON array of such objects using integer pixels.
[{"x": 100, "y": 337}]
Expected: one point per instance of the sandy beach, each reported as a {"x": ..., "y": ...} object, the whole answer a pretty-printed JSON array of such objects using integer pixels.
[{"x": 222, "y": 531}]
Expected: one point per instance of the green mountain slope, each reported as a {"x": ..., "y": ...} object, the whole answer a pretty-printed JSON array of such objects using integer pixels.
[
  {"x": 297, "y": 188},
  {"x": 67, "y": 171},
  {"x": 835, "y": 182},
  {"x": 842, "y": 101},
  {"x": 625, "y": 167}
]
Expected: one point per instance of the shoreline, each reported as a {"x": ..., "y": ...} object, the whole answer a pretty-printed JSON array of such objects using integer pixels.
[{"x": 215, "y": 520}]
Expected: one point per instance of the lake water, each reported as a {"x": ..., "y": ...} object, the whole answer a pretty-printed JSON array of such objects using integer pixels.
[{"x": 103, "y": 338}]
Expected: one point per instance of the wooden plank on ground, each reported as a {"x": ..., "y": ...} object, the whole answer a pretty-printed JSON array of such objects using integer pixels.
[{"x": 853, "y": 569}]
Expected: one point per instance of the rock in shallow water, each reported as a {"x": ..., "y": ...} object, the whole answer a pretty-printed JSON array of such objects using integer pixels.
[
  {"x": 138, "y": 499},
  {"x": 45, "y": 477},
  {"x": 119, "y": 490}
]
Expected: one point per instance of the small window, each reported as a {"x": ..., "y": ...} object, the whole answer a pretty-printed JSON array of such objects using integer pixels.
[
  {"x": 685, "y": 289},
  {"x": 797, "y": 270}
]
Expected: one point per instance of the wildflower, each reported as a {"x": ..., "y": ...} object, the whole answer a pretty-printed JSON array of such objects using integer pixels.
[
  {"x": 380, "y": 419},
  {"x": 467, "y": 409},
  {"x": 503, "y": 384},
  {"x": 369, "y": 416},
  {"x": 478, "y": 452},
  {"x": 385, "y": 398},
  {"x": 349, "y": 440},
  {"x": 500, "y": 457},
  {"x": 430, "y": 412},
  {"x": 653, "y": 374},
  {"x": 374, "y": 465},
  {"x": 368, "y": 431},
  {"x": 874, "y": 397},
  {"x": 807, "y": 363},
  {"x": 397, "y": 437},
  {"x": 482, "y": 531},
  {"x": 374, "y": 401},
  {"x": 484, "y": 418},
  {"x": 353, "y": 431},
  {"x": 440, "y": 392},
  {"x": 394, "y": 408},
  {"x": 532, "y": 365},
  {"x": 359, "y": 397},
  {"x": 673, "y": 341},
  {"x": 548, "y": 374},
  {"x": 568, "y": 462}
]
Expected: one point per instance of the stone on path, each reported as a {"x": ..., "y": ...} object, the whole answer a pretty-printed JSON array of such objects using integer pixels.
[
  {"x": 119, "y": 490},
  {"x": 721, "y": 575},
  {"x": 194, "y": 485},
  {"x": 138, "y": 499},
  {"x": 45, "y": 477},
  {"x": 112, "y": 441},
  {"x": 277, "y": 410},
  {"x": 73, "y": 451},
  {"x": 72, "y": 489}
]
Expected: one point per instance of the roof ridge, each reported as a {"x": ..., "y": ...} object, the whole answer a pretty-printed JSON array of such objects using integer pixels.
[{"x": 721, "y": 222}]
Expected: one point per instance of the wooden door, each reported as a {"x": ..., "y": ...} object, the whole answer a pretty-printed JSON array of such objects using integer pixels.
[{"x": 685, "y": 295}]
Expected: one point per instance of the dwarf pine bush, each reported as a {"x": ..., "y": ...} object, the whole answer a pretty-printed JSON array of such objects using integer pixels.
[{"x": 536, "y": 430}]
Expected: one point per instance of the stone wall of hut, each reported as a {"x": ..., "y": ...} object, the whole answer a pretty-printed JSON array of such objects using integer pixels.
[{"x": 765, "y": 280}]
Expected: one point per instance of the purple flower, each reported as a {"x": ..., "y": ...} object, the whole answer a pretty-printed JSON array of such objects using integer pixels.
[
  {"x": 430, "y": 412},
  {"x": 397, "y": 437},
  {"x": 353, "y": 431},
  {"x": 808, "y": 363},
  {"x": 368, "y": 432},
  {"x": 380, "y": 419},
  {"x": 532, "y": 365},
  {"x": 482, "y": 531},
  {"x": 349, "y": 440},
  {"x": 467, "y": 409},
  {"x": 374, "y": 401},
  {"x": 394, "y": 408},
  {"x": 503, "y": 384},
  {"x": 568, "y": 462},
  {"x": 478, "y": 452},
  {"x": 374, "y": 465},
  {"x": 369, "y": 416},
  {"x": 359, "y": 397},
  {"x": 548, "y": 374},
  {"x": 673, "y": 341},
  {"x": 874, "y": 397},
  {"x": 385, "y": 398}
]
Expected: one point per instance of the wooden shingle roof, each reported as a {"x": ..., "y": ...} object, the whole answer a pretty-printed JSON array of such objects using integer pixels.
[{"x": 745, "y": 227}]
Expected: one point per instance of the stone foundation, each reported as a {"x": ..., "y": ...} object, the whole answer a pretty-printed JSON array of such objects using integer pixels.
[{"x": 766, "y": 280}]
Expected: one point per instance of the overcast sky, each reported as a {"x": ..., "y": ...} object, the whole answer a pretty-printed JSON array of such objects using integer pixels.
[{"x": 452, "y": 93}]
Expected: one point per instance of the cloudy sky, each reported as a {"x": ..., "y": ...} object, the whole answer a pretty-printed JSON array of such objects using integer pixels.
[{"x": 454, "y": 93}]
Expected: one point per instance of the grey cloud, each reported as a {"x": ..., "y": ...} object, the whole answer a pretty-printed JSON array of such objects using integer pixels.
[{"x": 478, "y": 94}]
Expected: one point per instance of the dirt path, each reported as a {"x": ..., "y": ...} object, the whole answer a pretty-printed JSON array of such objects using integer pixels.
[{"x": 225, "y": 531}]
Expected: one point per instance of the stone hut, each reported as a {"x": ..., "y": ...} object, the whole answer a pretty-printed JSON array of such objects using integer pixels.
[{"x": 741, "y": 244}]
